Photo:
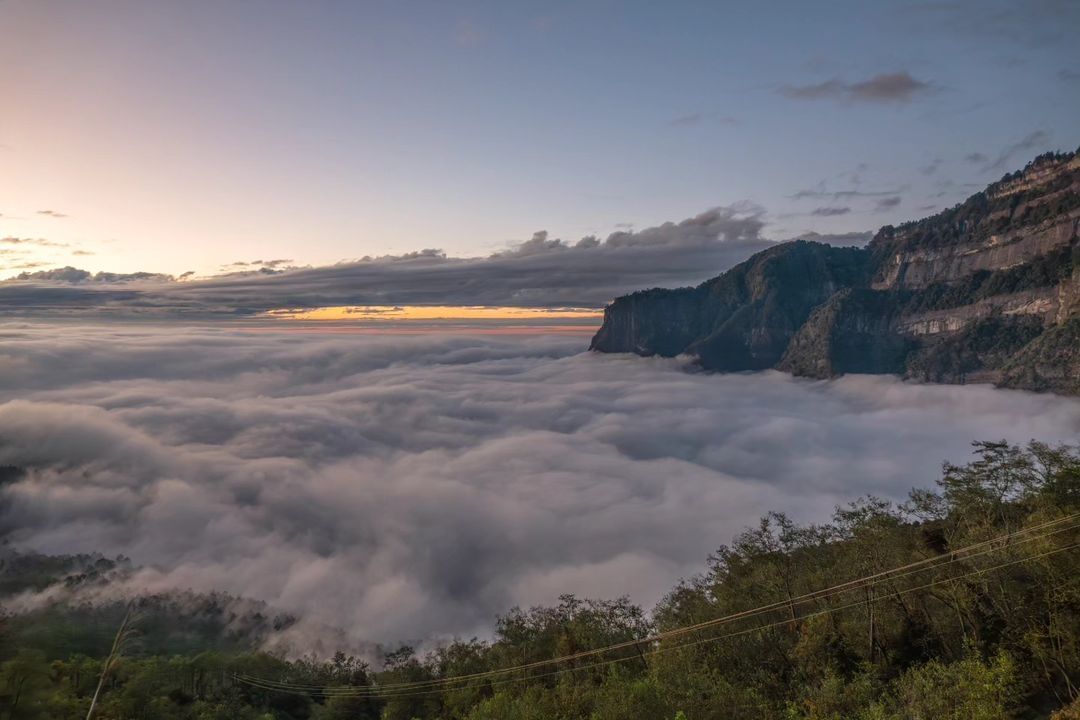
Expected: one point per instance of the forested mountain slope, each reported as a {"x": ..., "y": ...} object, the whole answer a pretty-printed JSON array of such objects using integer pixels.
[
  {"x": 966, "y": 604},
  {"x": 987, "y": 291}
]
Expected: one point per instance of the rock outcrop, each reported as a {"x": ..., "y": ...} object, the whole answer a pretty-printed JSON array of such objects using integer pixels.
[
  {"x": 987, "y": 291},
  {"x": 741, "y": 320}
]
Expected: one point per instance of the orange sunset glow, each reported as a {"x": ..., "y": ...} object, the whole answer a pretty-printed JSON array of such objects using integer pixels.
[{"x": 436, "y": 312}]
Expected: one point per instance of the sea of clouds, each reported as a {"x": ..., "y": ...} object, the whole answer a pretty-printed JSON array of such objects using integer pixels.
[{"x": 404, "y": 487}]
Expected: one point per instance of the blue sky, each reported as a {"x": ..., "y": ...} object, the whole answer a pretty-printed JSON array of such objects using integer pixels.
[{"x": 185, "y": 136}]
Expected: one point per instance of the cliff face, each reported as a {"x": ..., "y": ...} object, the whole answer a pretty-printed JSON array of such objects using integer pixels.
[
  {"x": 741, "y": 320},
  {"x": 852, "y": 332},
  {"x": 988, "y": 291},
  {"x": 652, "y": 322}
]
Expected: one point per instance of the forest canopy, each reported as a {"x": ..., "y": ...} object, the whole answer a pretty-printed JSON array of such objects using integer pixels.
[{"x": 962, "y": 602}]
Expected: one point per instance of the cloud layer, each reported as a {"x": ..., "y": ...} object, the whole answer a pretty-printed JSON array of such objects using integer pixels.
[
  {"x": 403, "y": 487},
  {"x": 542, "y": 272}
]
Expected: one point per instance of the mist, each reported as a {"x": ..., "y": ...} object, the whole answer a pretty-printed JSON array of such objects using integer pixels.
[{"x": 406, "y": 487}]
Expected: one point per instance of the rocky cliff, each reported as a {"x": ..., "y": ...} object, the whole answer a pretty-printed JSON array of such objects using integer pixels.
[{"x": 987, "y": 291}]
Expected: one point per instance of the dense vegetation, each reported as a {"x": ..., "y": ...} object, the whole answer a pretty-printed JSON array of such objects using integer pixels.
[
  {"x": 988, "y": 212},
  {"x": 986, "y": 635},
  {"x": 1042, "y": 272}
]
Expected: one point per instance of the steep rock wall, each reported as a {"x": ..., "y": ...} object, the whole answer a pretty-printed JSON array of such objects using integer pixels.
[{"x": 986, "y": 291}]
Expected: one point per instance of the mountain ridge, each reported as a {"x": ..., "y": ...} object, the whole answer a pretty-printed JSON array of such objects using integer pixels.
[{"x": 986, "y": 291}]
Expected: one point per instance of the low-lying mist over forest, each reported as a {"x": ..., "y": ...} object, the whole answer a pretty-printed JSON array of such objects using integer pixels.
[{"x": 411, "y": 487}]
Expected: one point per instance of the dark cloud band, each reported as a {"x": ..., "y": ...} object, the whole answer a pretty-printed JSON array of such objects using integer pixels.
[{"x": 542, "y": 272}]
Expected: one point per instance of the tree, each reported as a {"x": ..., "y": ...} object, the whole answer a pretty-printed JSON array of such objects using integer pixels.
[{"x": 966, "y": 690}]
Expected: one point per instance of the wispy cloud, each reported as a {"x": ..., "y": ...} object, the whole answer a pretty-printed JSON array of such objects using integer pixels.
[
  {"x": 271, "y": 264},
  {"x": 699, "y": 118},
  {"x": 52, "y": 214},
  {"x": 896, "y": 87},
  {"x": 822, "y": 193},
  {"x": 36, "y": 242},
  {"x": 830, "y": 211},
  {"x": 888, "y": 203},
  {"x": 1036, "y": 140},
  {"x": 688, "y": 120}
]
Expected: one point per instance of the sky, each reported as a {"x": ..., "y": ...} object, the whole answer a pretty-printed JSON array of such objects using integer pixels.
[{"x": 163, "y": 137}]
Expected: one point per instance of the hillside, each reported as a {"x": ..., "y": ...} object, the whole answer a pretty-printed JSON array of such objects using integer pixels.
[
  {"x": 987, "y": 291},
  {"x": 961, "y": 603}
]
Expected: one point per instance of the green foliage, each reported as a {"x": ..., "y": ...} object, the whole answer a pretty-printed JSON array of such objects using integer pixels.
[
  {"x": 985, "y": 344},
  {"x": 988, "y": 213},
  {"x": 1040, "y": 272},
  {"x": 1050, "y": 362},
  {"x": 969, "y": 689},
  {"x": 982, "y": 637}
]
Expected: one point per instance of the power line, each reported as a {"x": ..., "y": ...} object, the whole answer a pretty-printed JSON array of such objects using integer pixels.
[
  {"x": 891, "y": 574},
  {"x": 974, "y": 550},
  {"x": 405, "y": 694},
  {"x": 894, "y": 573}
]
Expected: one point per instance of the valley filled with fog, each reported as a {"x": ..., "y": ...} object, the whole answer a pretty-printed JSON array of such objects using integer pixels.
[{"x": 411, "y": 487}]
